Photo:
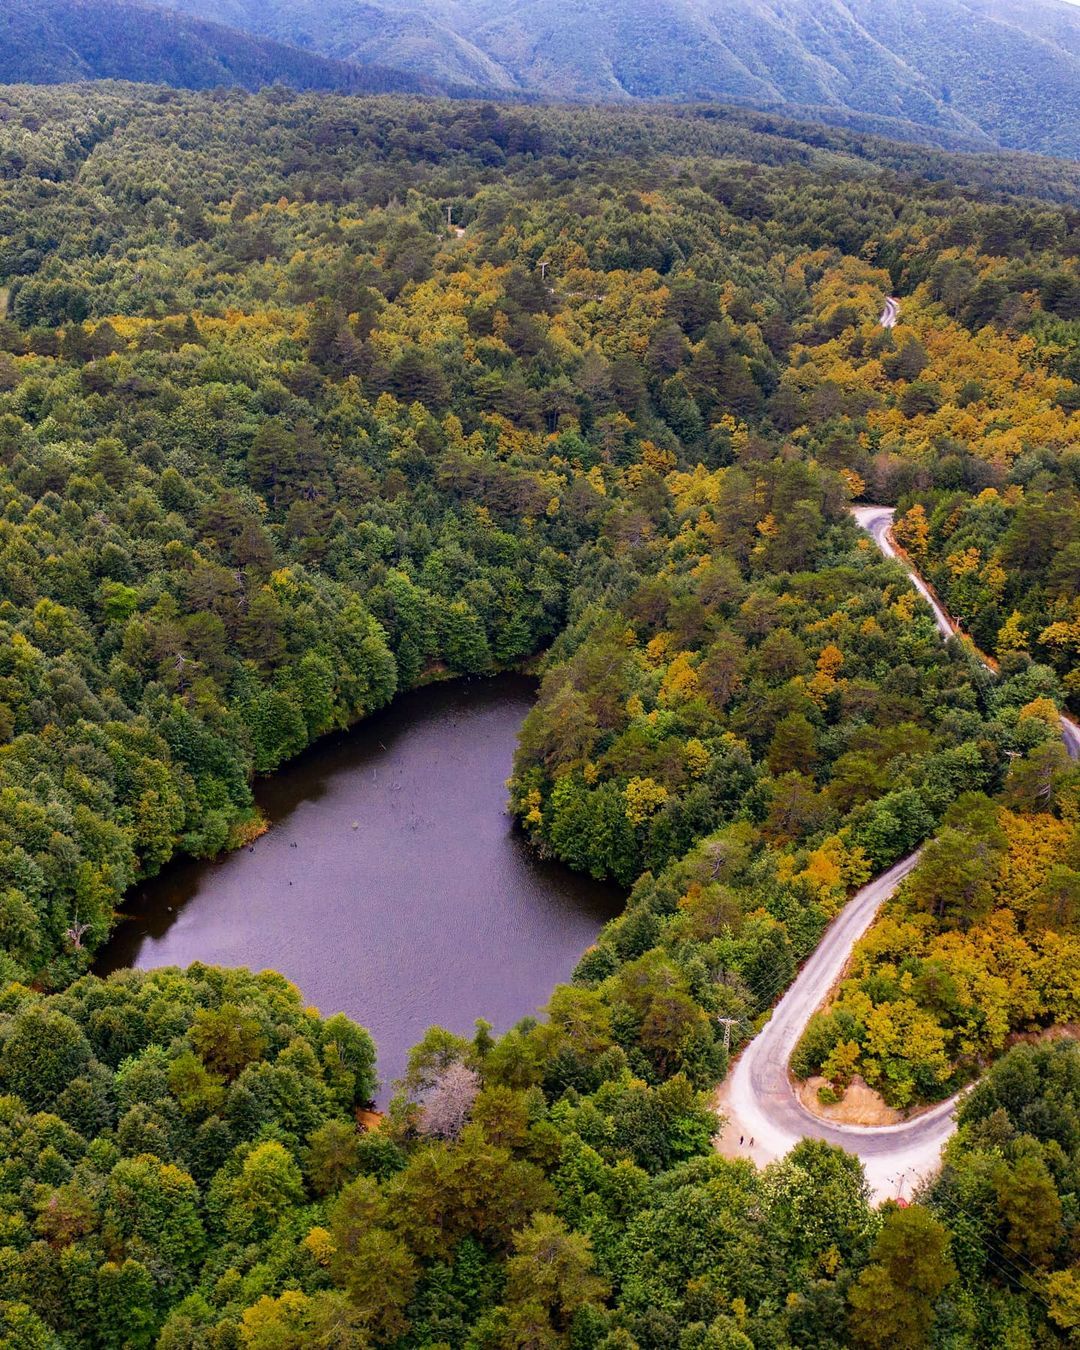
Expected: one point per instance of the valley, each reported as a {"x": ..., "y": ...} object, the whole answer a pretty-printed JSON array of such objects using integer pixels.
[{"x": 322, "y": 415}]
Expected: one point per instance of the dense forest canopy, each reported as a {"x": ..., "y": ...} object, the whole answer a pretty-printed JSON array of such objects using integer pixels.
[{"x": 308, "y": 400}]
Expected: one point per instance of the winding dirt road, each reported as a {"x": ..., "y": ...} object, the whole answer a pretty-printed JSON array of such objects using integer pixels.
[
  {"x": 877, "y": 522},
  {"x": 757, "y": 1097}
]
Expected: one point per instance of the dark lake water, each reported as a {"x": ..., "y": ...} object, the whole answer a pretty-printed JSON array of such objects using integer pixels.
[{"x": 409, "y": 899}]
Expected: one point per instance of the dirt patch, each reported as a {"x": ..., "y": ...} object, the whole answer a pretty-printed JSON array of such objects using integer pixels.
[
  {"x": 368, "y": 1120},
  {"x": 733, "y": 1142},
  {"x": 1061, "y": 1031},
  {"x": 860, "y": 1104}
]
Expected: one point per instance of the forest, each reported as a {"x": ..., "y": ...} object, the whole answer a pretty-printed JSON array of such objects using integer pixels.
[{"x": 308, "y": 400}]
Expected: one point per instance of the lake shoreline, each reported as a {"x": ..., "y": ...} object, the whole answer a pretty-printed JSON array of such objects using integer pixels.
[{"x": 391, "y": 882}]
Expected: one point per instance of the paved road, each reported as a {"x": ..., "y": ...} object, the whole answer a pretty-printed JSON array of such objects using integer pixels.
[
  {"x": 759, "y": 1101},
  {"x": 757, "y": 1097},
  {"x": 891, "y": 312},
  {"x": 876, "y": 521}
]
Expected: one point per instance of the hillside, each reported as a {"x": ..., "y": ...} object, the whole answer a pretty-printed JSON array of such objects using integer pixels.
[
  {"x": 350, "y": 30},
  {"x": 984, "y": 72},
  {"x": 55, "y": 41},
  {"x": 279, "y": 445}
]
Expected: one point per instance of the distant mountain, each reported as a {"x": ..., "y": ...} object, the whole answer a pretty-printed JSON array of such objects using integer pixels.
[
  {"x": 957, "y": 73},
  {"x": 986, "y": 72},
  {"x": 52, "y": 41},
  {"x": 393, "y": 34}
]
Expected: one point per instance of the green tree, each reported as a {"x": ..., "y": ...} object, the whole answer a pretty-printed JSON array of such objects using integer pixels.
[
  {"x": 228, "y": 1038},
  {"x": 268, "y": 1187},
  {"x": 153, "y": 1209},
  {"x": 1034, "y": 782},
  {"x": 333, "y": 1156},
  {"x": 793, "y": 745},
  {"x": 373, "y": 1265},
  {"x": 553, "y": 1267},
  {"x": 348, "y": 1060},
  {"x": 892, "y": 1302},
  {"x": 126, "y": 1318},
  {"x": 1031, "y": 1207},
  {"x": 43, "y": 1050},
  {"x": 464, "y": 641}
]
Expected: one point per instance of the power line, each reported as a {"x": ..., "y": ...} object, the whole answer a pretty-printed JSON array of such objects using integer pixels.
[
  {"x": 1014, "y": 1273},
  {"x": 1012, "y": 1270}
]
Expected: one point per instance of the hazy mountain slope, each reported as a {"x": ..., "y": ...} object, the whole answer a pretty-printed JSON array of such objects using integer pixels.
[
  {"x": 416, "y": 43},
  {"x": 1058, "y": 23},
  {"x": 1012, "y": 67},
  {"x": 991, "y": 71},
  {"x": 974, "y": 72},
  {"x": 393, "y": 36},
  {"x": 1005, "y": 67},
  {"x": 618, "y": 49},
  {"x": 51, "y": 41},
  {"x": 783, "y": 52}
]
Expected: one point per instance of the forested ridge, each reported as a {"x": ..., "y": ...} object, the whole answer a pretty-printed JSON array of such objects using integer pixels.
[
  {"x": 276, "y": 442},
  {"x": 960, "y": 74},
  {"x": 54, "y": 41}
]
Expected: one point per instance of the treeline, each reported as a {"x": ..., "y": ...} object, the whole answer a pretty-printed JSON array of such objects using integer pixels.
[{"x": 183, "y": 1168}]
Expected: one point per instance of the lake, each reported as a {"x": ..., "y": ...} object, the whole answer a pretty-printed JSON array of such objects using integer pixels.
[{"x": 392, "y": 884}]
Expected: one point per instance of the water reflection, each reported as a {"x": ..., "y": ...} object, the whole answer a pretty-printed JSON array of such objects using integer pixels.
[{"x": 392, "y": 885}]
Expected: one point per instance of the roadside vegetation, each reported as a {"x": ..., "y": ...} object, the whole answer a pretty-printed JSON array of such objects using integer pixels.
[
  {"x": 980, "y": 943},
  {"x": 276, "y": 443}
]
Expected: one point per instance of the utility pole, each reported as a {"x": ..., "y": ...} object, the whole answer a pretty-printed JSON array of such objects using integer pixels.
[
  {"x": 543, "y": 270},
  {"x": 727, "y": 1023},
  {"x": 450, "y": 217}
]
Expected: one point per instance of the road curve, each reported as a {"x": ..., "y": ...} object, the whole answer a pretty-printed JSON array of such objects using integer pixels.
[
  {"x": 757, "y": 1098},
  {"x": 891, "y": 312},
  {"x": 877, "y": 521}
]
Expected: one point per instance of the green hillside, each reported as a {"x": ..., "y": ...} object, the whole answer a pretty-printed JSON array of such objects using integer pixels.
[{"x": 280, "y": 442}]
